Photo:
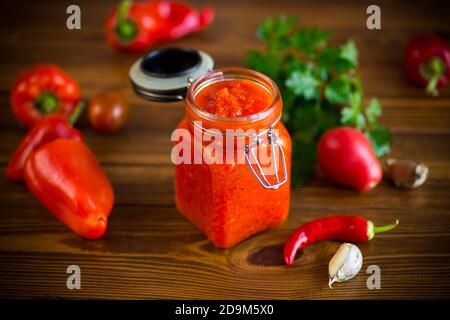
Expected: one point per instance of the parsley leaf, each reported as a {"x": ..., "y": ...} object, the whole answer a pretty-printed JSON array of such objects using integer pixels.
[
  {"x": 304, "y": 84},
  {"x": 310, "y": 40},
  {"x": 373, "y": 111},
  {"x": 268, "y": 64},
  {"x": 272, "y": 29},
  {"x": 380, "y": 139},
  {"x": 350, "y": 53},
  {"x": 338, "y": 91}
]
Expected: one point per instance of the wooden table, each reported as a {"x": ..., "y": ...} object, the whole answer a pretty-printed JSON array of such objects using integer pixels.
[{"x": 150, "y": 250}]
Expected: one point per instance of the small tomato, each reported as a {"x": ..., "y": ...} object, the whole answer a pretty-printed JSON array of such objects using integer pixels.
[{"x": 108, "y": 111}]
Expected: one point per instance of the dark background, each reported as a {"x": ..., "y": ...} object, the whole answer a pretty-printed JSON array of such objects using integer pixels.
[{"x": 150, "y": 250}]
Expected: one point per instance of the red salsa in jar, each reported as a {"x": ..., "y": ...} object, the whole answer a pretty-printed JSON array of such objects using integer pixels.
[
  {"x": 227, "y": 201},
  {"x": 233, "y": 98}
]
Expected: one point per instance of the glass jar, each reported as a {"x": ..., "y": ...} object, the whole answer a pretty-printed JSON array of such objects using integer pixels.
[{"x": 233, "y": 199}]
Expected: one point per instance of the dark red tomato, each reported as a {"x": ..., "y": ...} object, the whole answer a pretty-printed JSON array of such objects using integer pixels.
[
  {"x": 108, "y": 111},
  {"x": 347, "y": 157}
]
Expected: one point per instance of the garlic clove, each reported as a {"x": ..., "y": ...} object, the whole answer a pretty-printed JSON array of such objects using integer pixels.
[
  {"x": 406, "y": 173},
  {"x": 345, "y": 264},
  {"x": 338, "y": 259}
]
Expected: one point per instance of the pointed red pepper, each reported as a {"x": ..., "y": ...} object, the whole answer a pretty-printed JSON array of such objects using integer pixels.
[
  {"x": 135, "y": 26},
  {"x": 342, "y": 228},
  {"x": 181, "y": 19},
  {"x": 67, "y": 179},
  {"x": 46, "y": 130}
]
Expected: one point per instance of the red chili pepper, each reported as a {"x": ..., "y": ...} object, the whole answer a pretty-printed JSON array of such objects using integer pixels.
[
  {"x": 46, "y": 130},
  {"x": 41, "y": 90},
  {"x": 67, "y": 179},
  {"x": 135, "y": 27},
  {"x": 427, "y": 62},
  {"x": 342, "y": 228},
  {"x": 182, "y": 19}
]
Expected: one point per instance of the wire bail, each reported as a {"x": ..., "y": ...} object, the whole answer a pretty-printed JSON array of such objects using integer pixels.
[{"x": 272, "y": 140}]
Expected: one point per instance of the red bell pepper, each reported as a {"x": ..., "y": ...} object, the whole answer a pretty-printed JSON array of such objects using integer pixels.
[
  {"x": 41, "y": 90},
  {"x": 67, "y": 179},
  {"x": 46, "y": 130},
  {"x": 135, "y": 26},
  {"x": 427, "y": 62},
  {"x": 342, "y": 228}
]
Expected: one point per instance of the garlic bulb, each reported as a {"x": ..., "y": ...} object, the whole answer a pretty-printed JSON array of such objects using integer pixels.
[{"x": 345, "y": 264}]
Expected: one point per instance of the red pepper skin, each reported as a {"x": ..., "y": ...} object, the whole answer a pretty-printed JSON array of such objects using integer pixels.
[
  {"x": 420, "y": 50},
  {"x": 182, "y": 19},
  {"x": 40, "y": 80},
  {"x": 346, "y": 156},
  {"x": 155, "y": 21},
  {"x": 341, "y": 228},
  {"x": 46, "y": 130},
  {"x": 67, "y": 179}
]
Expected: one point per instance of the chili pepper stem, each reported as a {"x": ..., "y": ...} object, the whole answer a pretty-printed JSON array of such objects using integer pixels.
[
  {"x": 433, "y": 70},
  {"x": 372, "y": 230},
  {"x": 125, "y": 28},
  {"x": 75, "y": 115}
]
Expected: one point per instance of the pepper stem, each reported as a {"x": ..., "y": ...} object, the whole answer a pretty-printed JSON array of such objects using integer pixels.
[
  {"x": 432, "y": 70},
  {"x": 385, "y": 228},
  {"x": 372, "y": 230},
  {"x": 125, "y": 28},
  {"x": 75, "y": 115},
  {"x": 47, "y": 102}
]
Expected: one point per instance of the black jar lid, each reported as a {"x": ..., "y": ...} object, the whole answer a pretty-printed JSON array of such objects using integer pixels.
[{"x": 164, "y": 75}]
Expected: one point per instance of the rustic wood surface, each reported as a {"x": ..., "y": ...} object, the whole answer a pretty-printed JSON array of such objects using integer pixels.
[{"x": 150, "y": 250}]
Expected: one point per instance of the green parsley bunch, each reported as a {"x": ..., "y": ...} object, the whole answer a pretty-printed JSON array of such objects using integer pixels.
[{"x": 319, "y": 86}]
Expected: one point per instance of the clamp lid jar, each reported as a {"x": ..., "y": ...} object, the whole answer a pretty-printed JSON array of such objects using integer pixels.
[{"x": 164, "y": 75}]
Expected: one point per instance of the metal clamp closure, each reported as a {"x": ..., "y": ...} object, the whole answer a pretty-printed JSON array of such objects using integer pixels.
[{"x": 272, "y": 141}]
